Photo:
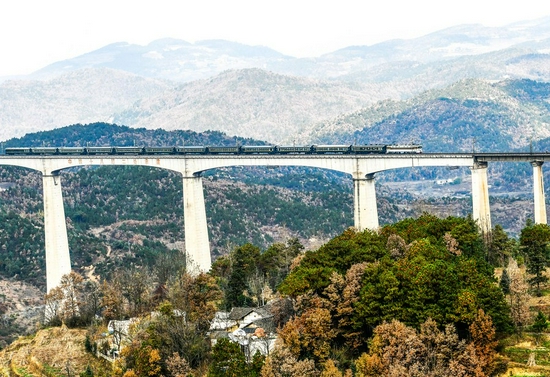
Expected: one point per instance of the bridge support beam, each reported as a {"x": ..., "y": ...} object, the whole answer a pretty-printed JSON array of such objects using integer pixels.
[
  {"x": 481, "y": 211},
  {"x": 364, "y": 204},
  {"x": 197, "y": 245},
  {"x": 538, "y": 192},
  {"x": 58, "y": 260}
]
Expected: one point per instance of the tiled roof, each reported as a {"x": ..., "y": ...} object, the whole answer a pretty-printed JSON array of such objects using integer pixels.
[{"x": 239, "y": 313}]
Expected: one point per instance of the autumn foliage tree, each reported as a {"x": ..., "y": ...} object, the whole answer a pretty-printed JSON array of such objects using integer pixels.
[
  {"x": 399, "y": 350},
  {"x": 177, "y": 366},
  {"x": 198, "y": 296},
  {"x": 65, "y": 302},
  {"x": 283, "y": 363},
  {"x": 310, "y": 334},
  {"x": 141, "y": 360},
  {"x": 484, "y": 341},
  {"x": 112, "y": 300}
]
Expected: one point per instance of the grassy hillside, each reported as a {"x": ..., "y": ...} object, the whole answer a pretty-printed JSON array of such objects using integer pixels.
[{"x": 55, "y": 351}]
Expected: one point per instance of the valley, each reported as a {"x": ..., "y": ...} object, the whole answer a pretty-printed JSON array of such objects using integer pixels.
[{"x": 284, "y": 233}]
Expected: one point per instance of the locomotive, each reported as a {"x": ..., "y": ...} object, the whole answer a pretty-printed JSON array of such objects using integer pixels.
[{"x": 214, "y": 150}]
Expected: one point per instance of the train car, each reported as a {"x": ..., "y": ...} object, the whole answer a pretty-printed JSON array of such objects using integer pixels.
[
  {"x": 189, "y": 149},
  {"x": 291, "y": 149},
  {"x": 258, "y": 149},
  {"x": 17, "y": 151},
  {"x": 369, "y": 148},
  {"x": 127, "y": 150},
  {"x": 44, "y": 150},
  {"x": 410, "y": 148},
  {"x": 158, "y": 150},
  {"x": 223, "y": 150},
  {"x": 71, "y": 150},
  {"x": 99, "y": 150},
  {"x": 331, "y": 149}
]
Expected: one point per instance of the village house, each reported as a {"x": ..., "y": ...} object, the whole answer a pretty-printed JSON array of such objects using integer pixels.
[{"x": 252, "y": 328}]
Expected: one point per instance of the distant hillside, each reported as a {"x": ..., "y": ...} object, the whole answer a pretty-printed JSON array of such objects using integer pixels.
[
  {"x": 170, "y": 59},
  {"x": 250, "y": 102},
  {"x": 84, "y": 96},
  {"x": 471, "y": 114}
]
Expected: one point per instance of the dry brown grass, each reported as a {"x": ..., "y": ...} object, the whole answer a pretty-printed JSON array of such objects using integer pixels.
[{"x": 58, "y": 348}]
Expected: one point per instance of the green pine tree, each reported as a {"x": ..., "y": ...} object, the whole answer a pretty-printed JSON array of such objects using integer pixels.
[
  {"x": 534, "y": 240},
  {"x": 227, "y": 360},
  {"x": 505, "y": 282}
]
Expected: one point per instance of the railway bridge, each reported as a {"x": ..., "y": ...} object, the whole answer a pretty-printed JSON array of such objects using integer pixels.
[{"x": 362, "y": 168}]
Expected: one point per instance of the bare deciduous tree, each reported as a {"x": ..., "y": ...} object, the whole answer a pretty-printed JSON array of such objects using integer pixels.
[{"x": 519, "y": 296}]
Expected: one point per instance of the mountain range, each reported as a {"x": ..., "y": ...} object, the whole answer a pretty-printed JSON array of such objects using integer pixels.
[{"x": 260, "y": 93}]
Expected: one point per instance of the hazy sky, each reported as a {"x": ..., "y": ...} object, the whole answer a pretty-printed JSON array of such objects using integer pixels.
[{"x": 34, "y": 33}]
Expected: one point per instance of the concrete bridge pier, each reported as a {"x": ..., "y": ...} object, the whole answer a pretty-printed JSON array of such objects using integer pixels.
[
  {"x": 58, "y": 260},
  {"x": 481, "y": 211},
  {"x": 197, "y": 244},
  {"x": 538, "y": 192},
  {"x": 364, "y": 203}
]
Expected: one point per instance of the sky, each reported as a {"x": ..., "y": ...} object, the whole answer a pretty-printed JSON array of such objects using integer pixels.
[{"x": 35, "y": 33}]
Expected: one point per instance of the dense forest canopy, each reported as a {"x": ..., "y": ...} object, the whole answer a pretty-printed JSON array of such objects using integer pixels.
[{"x": 412, "y": 270}]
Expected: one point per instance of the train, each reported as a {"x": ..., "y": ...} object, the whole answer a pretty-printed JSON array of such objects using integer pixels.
[{"x": 214, "y": 150}]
